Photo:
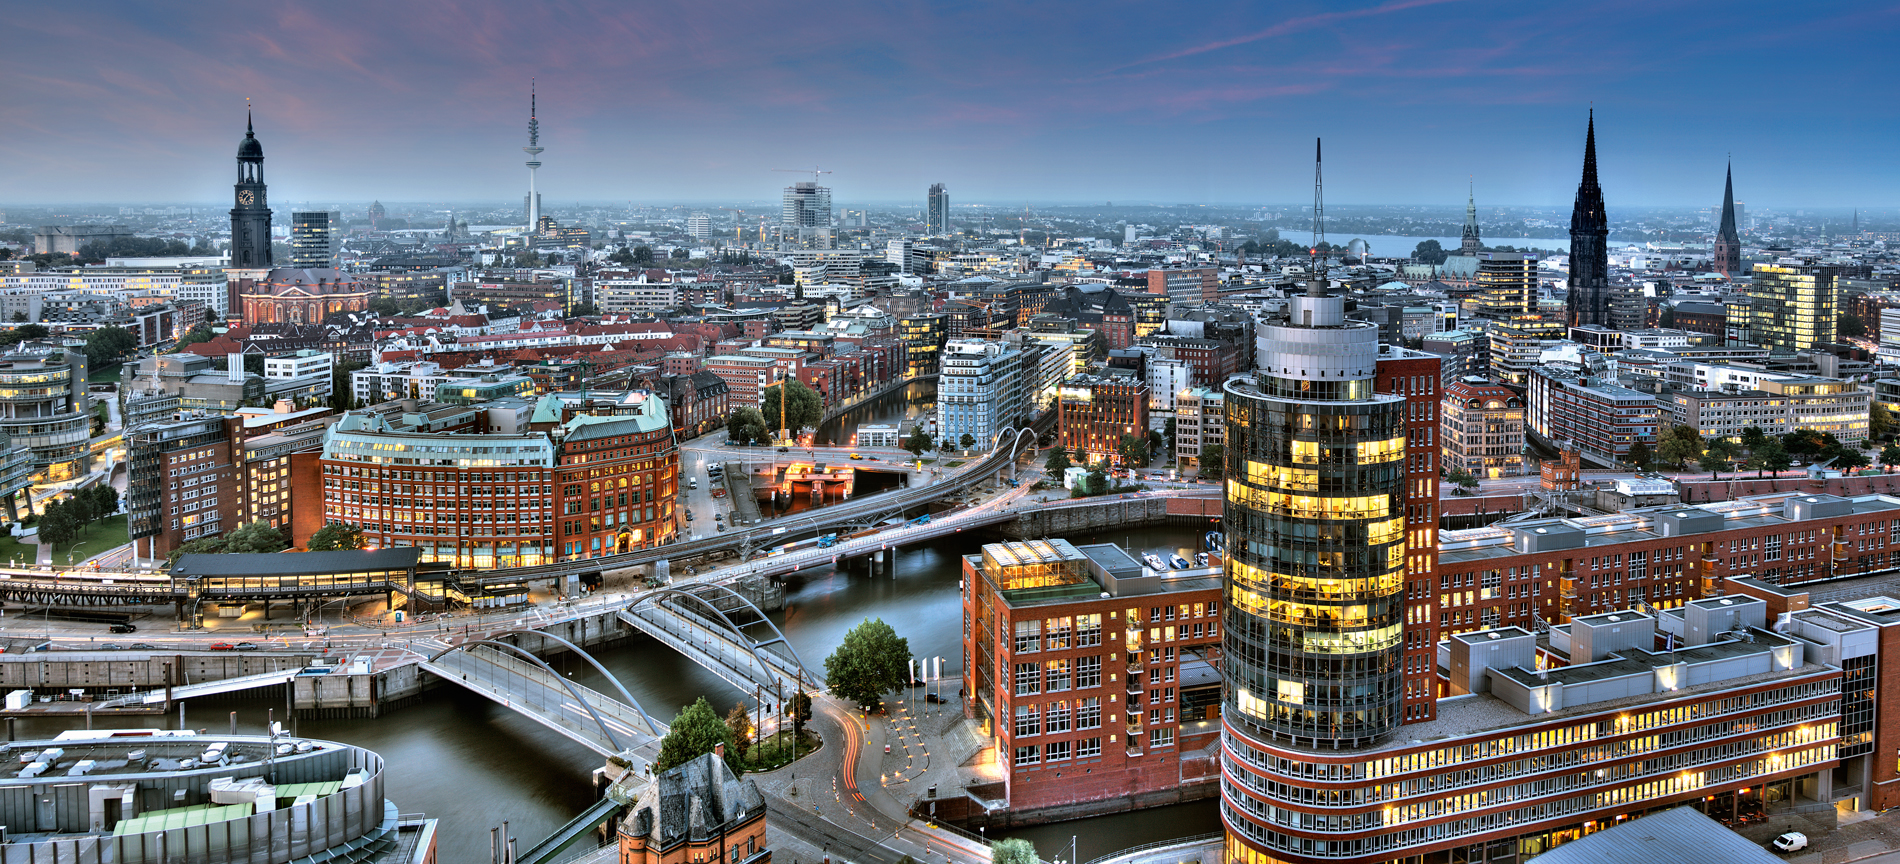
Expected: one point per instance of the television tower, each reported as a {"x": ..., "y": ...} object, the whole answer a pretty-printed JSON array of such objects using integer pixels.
[{"x": 533, "y": 150}]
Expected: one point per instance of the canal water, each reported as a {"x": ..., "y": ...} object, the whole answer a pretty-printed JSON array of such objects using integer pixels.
[
  {"x": 901, "y": 408},
  {"x": 471, "y": 763}
]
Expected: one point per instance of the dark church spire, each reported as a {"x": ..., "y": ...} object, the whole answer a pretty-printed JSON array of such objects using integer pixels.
[
  {"x": 1728, "y": 246},
  {"x": 1469, "y": 244},
  {"x": 1589, "y": 300}
]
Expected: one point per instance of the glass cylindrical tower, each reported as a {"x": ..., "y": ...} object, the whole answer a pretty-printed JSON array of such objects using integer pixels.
[
  {"x": 1315, "y": 562},
  {"x": 1315, "y": 536}
]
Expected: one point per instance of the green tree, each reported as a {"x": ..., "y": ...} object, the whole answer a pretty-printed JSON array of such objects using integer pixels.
[
  {"x": 1667, "y": 320},
  {"x": 255, "y": 537},
  {"x": 1462, "y": 478},
  {"x": 1680, "y": 446},
  {"x": 340, "y": 388},
  {"x": 1890, "y": 455},
  {"x": 739, "y": 725},
  {"x": 642, "y": 254},
  {"x": 622, "y": 256},
  {"x": 1168, "y": 430},
  {"x": 1716, "y": 458},
  {"x": 200, "y": 332},
  {"x": 1769, "y": 457},
  {"x": 695, "y": 732},
  {"x": 919, "y": 441},
  {"x": 746, "y": 426},
  {"x": 1753, "y": 436},
  {"x": 1849, "y": 459},
  {"x": 1639, "y": 455},
  {"x": 1430, "y": 252},
  {"x": 1849, "y": 326},
  {"x": 1015, "y": 850},
  {"x": 1879, "y": 420},
  {"x": 104, "y": 498},
  {"x": 803, "y": 407},
  {"x": 873, "y": 661},
  {"x": 967, "y": 442},
  {"x": 334, "y": 536},
  {"x": 1057, "y": 465},
  {"x": 582, "y": 310},
  {"x": 1803, "y": 442},
  {"x": 18, "y": 317},
  {"x": 681, "y": 253},
  {"x": 1134, "y": 450},
  {"x": 1213, "y": 462},
  {"x": 108, "y": 345},
  {"x": 799, "y": 707},
  {"x": 59, "y": 524}
]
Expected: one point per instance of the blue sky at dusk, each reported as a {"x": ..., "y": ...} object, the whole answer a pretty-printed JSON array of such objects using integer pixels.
[{"x": 1214, "y": 102}]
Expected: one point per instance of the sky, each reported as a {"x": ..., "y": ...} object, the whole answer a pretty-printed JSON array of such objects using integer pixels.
[{"x": 1217, "y": 102}]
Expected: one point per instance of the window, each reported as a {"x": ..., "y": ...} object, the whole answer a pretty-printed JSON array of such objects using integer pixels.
[
  {"x": 1088, "y": 630},
  {"x": 1058, "y": 630},
  {"x": 1088, "y": 713},
  {"x": 1056, "y": 750},
  {"x": 1056, "y": 717},
  {"x": 1028, "y": 721},
  {"x": 1028, "y": 678},
  {"x": 1028, "y": 755},
  {"x": 1163, "y": 737},
  {"x": 1057, "y": 678},
  {"x": 1088, "y": 748},
  {"x": 1028, "y": 636},
  {"x": 1088, "y": 672}
]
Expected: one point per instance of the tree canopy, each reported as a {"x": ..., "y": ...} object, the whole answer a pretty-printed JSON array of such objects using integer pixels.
[
  {"x": 1058, "y": 464},
  {"x": 1430, "y": 252},
  {"x": 919, "y": 441},
  {"x": 1015, "y": 850},
  {"x": 803, "y": 407},
  {"x": 108, "y": 345},
  {"x": 255, "y": 537},
  {"x": 873, "y": 661},
  {"x": 746, "y": 426},
  {"x": 695, "y": 732},
  {"x": 1213, "y": 462},
  {"x": 334, "y": 536}
]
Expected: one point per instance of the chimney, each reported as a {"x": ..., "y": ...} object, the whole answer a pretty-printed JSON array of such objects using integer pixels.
[
  {"x": 720, "y": 750},
  {"x": 234, "y": 368}
]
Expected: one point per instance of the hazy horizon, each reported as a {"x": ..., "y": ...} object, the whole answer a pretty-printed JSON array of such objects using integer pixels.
[{"x": 1053, "y": 103}]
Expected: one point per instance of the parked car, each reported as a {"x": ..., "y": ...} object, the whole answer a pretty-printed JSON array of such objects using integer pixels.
[
  {"x": 223, "y": 646},
  {"x": 246, "y": 646},
  {"x": 123, "y": 628},
  {"x": 1793, "y": 841},
  {"x": 141, "y": 646}
]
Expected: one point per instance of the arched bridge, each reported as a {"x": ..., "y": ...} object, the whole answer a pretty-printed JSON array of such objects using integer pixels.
[
  {"x": 512, "y": 676},
  {"x": 721, "y": 630}
]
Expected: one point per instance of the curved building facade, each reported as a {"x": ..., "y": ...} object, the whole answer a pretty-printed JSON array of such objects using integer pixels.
[{"x": 44, "y": 407}]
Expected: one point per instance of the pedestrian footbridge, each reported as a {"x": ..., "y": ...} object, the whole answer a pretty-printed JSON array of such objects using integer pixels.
[
  {"x": 611, "y": 725},
  {"x": 721, "y": 630}
]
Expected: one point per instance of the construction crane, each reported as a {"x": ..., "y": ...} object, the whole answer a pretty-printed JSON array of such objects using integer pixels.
[{"x": 814, "y": 172}]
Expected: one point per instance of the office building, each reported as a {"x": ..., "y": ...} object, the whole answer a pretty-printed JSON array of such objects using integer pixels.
[
  {"x": 1200, "y": 422},
  {"x": 1778, "y": 404},
  {"x": 1601, "y": 420},
  {"x": 1185, "y": 286},
  {"x": 1483, "y": 429},
  {"x": 980, "y": 391},
  {"x": 1095, "y": 413},
  {"x": 1507, "y": 284},
  {"x": 1518, "y": 343},
  {"x": 47, "y": 409},
  {"x": 937, "y": 222},
  {"x": 182, "y": 482},
  {"x": 1589, "y": 298},
  {"x": 1096, "y": 678},
  {"x": 805, "y": 217},
  {"x": 699, "y": 226},
  {"x": 313, "y": 241},
  {"x": 924, "y": 335},
  {"x": 1792, "y": 304}
]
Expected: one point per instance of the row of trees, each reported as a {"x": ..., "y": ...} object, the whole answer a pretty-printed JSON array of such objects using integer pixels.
[
  {"x": 1681, "y": 446},
  {"x": 256, "y": 537},
  {"x": 61, "y": 522}
]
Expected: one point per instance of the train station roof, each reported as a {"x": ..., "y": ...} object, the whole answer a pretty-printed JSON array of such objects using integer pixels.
[{"x": 296, "y": 563}]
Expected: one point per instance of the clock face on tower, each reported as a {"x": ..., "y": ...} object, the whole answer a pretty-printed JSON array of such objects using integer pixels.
[{"x": 245, "y": 197}]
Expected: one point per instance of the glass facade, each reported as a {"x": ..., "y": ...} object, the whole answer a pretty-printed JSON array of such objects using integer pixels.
[{"x": 1315, "y": 537}]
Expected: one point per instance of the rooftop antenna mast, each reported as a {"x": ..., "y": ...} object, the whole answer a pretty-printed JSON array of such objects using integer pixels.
[{"x": 1317, "y": 287}]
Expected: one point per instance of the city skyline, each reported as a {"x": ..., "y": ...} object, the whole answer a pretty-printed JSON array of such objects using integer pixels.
[{"x": 1415, "y": 97}]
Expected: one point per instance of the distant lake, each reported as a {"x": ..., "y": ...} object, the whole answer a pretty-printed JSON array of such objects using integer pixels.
[{"x": 1397, "y": 246}]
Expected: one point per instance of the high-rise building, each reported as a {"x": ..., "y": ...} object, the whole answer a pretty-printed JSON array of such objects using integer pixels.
[
  {"x": 312, "y": 240},
  {"x": 1792, "y": 305},
  {"x": 1728, "y": 246},
  {"x": 1316, "y": 542},
  {"x": 980, "y": 391},
  {"x": 938, "y": 220},
  {"x": 1508, "y": 284},
  {"x": 533, "y": 150},
  {"x": 250, "y": 218},
  {"x": 1483, "y": 429},
  {"x": 1589, "y": 301},
  {"x": 1469, "y": 244},
  {"x": 806, "y": 216},
  {"x": 699, "y": 225}
]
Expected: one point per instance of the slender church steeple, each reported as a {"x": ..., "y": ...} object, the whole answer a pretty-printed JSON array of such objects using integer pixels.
[
  {"x": 250, "y": 213},
  {"x": 1589, "y": 300},
  {"x": 1728, "y": 247},
  {"x": 1470, "y": 244}
]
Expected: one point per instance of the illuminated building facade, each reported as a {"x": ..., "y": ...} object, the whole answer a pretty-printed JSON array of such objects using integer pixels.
[
  {"x": 1792, "y": 305},
  {"x": 1094, "y": 413}
]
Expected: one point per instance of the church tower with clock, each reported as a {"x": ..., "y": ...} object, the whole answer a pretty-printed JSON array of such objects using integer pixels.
[{"x": 250, "y": 219}]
